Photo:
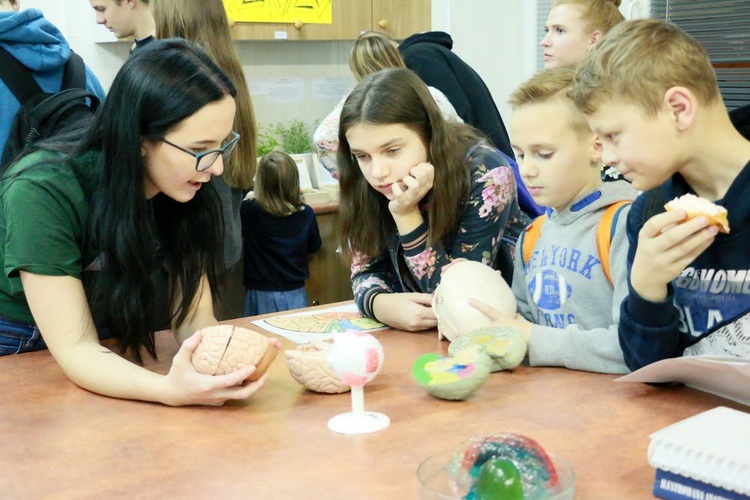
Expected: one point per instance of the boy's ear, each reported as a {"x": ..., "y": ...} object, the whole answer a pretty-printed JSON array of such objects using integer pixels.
[
  {"x": 596, "y": 151},
  {"x": 595, "y": 37},
  {"x": 682, "y": 105}
]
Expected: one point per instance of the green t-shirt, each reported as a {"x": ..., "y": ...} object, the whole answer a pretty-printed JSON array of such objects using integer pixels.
[{"x": 44, "y": 224}]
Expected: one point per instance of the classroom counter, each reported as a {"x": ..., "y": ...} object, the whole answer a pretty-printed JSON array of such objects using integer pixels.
[
  {"x": 59, "y": 441},
  {"x": 329, "y": 275},
  {"x": 325, "y": 207}
]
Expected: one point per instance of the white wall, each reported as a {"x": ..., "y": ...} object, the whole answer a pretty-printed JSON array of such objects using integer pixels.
[{"x": 494, "y": 36}]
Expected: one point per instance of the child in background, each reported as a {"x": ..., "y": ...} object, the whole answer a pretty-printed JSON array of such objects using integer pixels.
[
  {"x": 129, "y": 19},
  {"x": 568, "y": 299},
  {"x": 573, "y": 27},
  {"x": 649, "y": 91},
  {"x": 278, "y": 232},
  {"x": 417, "y": 192}
]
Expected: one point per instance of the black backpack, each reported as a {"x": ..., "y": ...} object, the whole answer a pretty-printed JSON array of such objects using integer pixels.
[{"x": 44, "y": 114}]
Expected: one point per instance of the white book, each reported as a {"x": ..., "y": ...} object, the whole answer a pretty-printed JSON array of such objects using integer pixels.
[{"x": 712, "y": 447}]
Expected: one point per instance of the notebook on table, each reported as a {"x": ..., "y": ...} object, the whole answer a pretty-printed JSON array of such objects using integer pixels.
[{"x": 706, "y": 456}]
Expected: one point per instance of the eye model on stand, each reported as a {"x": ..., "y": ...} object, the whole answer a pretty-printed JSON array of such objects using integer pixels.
[{"x": 357, "y": 357}]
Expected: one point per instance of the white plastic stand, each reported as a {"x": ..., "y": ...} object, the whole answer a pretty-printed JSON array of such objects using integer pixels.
[{"x": 358, "y": 421}]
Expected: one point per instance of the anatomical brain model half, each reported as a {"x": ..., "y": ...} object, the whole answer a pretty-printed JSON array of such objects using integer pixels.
[{"x": 226, "y": 348}]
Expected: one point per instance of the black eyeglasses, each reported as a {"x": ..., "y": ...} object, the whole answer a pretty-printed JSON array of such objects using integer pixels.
[{"x": 205, "y": 159}]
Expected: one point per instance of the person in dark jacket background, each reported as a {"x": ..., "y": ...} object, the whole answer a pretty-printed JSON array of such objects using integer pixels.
[{"x": 430, "y": 56}]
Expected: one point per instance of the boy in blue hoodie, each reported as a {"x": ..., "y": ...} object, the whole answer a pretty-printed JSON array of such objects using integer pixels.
[
  {"x": 568, "y": 280},
  {"x": 649, "y": 91},
  {"x": 39, "y": 46}
]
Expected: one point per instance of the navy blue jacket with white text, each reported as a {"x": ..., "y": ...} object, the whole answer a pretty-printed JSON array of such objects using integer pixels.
[{"x": 712, "y": 292}]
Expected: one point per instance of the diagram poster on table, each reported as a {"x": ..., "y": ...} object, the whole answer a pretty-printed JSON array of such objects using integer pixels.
[{"x": 321, "y": 324}]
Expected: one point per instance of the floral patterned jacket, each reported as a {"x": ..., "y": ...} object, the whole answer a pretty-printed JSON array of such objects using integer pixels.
[{"x": 489, "y": 228}]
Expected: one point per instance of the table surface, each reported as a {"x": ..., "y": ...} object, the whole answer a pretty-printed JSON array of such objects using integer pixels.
[{"x": 59, "y": 441}]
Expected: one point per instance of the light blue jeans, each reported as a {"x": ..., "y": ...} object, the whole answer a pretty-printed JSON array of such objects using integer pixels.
[
  {"x": 264, "y": 301},
  {"x": 17, "y": 337}
]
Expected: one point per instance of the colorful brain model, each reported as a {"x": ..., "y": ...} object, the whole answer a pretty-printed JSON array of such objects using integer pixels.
[
  {"x": 504, "y": 466},
  {"x": 455, "y": 377},
  {"x": 506, "y": 347},
  {"x": 226, "y": 348},
  {"x": 309, "y": 367}
]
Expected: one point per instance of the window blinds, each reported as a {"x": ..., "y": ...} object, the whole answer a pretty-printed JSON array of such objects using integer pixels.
[
  {"x": 721, "y": 27},
  {"x": 542, "y": 10}
]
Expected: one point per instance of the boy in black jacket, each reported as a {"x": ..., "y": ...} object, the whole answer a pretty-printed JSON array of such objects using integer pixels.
[{"x": 650, "y": 93}]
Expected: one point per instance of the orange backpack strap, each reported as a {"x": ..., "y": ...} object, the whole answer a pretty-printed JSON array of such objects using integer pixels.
[
  {"x": 529, "y": 237},
  {"x": 605, "y": 233}
]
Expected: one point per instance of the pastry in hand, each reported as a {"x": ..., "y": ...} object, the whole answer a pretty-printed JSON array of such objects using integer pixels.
[{"x": 696, "y": 207}]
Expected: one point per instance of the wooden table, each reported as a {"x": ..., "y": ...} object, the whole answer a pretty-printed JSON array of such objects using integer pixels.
[{"x": 59, "y": 441}]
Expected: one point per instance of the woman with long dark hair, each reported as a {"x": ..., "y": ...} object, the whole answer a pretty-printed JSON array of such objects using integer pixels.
[
  {"x": 94, "y": 223},
  {"x": 206, "y": 24}
]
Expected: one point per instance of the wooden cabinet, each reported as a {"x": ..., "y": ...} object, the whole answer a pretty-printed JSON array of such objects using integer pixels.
[
  {"x": 348, "y": 18},
  {"x": 329, "y": 276},
  {"x": 401, "y": 18},
  {"x": 396, "y": 18}
]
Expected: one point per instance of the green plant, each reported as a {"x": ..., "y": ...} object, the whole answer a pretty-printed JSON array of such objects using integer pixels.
[
  {"x": 294, "y": 137},
  {"x": 267, "y": 140}
]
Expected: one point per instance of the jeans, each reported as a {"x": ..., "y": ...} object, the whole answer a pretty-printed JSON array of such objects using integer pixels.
[
  {"x": 264, "y": 301},
  {"x": 17, "y": 337}
]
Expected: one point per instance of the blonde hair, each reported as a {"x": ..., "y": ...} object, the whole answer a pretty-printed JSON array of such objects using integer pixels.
[
  {"x": 638, "y": 62},
  {"x": 205, "y": 22},
  {"x": 597, "y": 15},
  {"x": 277, "y": 184},
  {"x": 548, "y": 85},
  {"x": 373, "y": 51}
]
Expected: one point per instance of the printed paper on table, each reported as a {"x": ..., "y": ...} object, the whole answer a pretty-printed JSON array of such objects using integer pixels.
[
  {"x": 322, "y": 324},
  {"x": 727, "y": 377}
]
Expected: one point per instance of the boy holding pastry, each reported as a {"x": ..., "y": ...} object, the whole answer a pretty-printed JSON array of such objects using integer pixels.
[{"x": 650, "y": 93}]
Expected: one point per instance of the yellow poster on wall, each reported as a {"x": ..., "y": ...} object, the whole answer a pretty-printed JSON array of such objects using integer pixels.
[{"x": 279, "y": 11}]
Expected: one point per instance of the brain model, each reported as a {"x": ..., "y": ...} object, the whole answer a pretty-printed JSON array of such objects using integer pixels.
[
  {"x": 309, "y": 367},
  {"x": 226, "y": 348},
  {"x": 504, "y": 466},
  {"x": 453, "y": 378},
  {"x": 506, "y": 347},
  {"x": 466, "y": 280}
]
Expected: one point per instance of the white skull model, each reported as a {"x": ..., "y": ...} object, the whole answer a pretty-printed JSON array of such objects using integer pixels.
[{"x": 466, "y": 280}]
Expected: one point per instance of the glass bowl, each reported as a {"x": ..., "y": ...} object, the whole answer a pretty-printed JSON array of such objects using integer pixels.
[{"x": 437, "y": 483}]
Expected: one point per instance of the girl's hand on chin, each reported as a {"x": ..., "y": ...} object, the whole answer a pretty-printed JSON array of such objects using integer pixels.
[{"x": 412, "y": 188}]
